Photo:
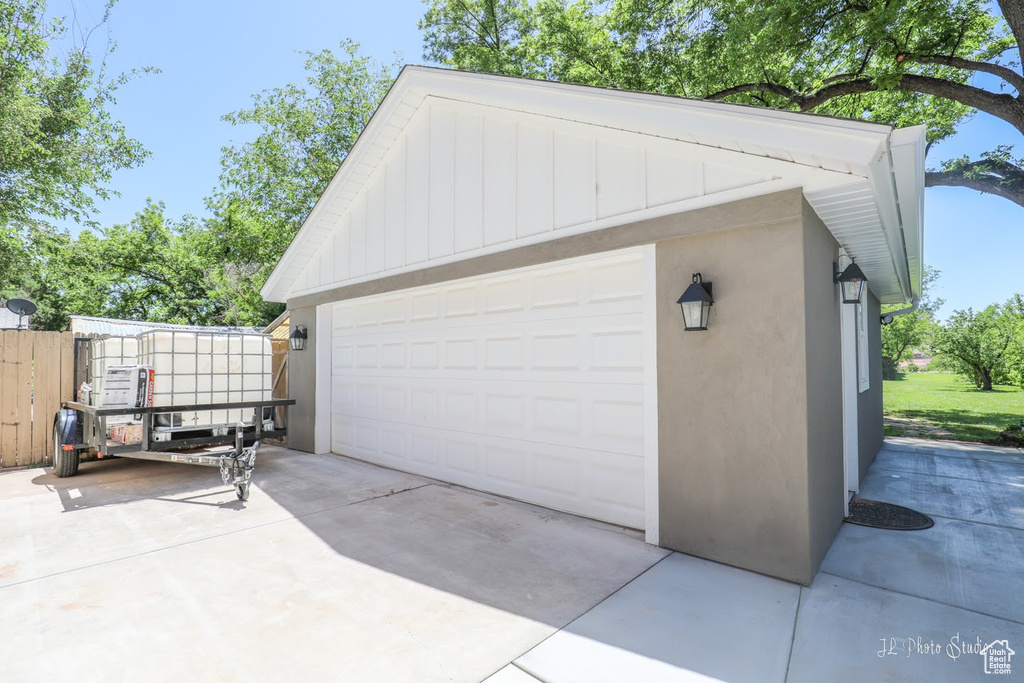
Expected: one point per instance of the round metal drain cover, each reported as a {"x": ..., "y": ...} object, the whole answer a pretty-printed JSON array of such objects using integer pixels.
[{"x": 879, "y": 515}]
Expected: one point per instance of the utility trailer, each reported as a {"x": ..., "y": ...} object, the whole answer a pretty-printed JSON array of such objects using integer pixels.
[
  {"x": 174, "y": 394},
  {"x": 81, "y": 428}
]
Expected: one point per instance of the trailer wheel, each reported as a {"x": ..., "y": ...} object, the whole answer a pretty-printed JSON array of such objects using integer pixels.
[
  {"x": 65, "y": 463},
  {"x": 242, "y": 491}
]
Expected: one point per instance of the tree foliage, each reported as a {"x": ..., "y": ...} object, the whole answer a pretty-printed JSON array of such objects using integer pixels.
[
  {"x": 980, "y": 344},
  {"x": 58, "y": 142},
  {"x": 912, "y": 330},
  {"x": 208, "y": 271},
  {"x": 150, "y": 269},
  {"x": 903, "y": 63},
  {"x": 269, "y": 184}
]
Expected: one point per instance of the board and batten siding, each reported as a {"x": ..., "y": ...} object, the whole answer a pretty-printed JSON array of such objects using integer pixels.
[{"x": 463, "y": 180}]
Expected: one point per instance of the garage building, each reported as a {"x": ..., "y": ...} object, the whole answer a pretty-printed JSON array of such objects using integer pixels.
[{"x": 489, "y": 290}]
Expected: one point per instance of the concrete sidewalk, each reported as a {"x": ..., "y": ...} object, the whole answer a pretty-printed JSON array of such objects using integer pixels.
[
  {"x": 336, "y": 570},
  {"x": 885, "y": 606}
]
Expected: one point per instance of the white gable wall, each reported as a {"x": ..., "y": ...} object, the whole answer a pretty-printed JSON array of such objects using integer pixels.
[{"x": 464, "y": 180}]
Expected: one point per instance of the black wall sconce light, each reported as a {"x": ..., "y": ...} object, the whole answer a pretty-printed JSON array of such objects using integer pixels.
[
  {"x": 297, "y": 339},
  {"x": 695, "y": 304},
  {"x": 851, "y": 281}
]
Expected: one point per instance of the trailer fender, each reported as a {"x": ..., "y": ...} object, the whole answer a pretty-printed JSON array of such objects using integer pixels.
[
  {"x": 68, "y": 425},
  {"x": 67, "y": 431}
]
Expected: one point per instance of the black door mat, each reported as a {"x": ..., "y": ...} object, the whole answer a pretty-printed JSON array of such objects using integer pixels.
[{"x": 879, "y": 515}]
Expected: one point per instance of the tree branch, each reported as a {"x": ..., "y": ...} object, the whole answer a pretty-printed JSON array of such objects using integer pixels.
[
  {"x": 1004, "y": 72},
  {"x": 989, "y": 184},
  {"x": 790, "y": 94},
  {"x": 1013, "y": 12},
  {"x": 1003, "y": 106}
]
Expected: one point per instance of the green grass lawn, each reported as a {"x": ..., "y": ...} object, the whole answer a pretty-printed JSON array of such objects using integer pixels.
[{"x": 952, "y": 404}]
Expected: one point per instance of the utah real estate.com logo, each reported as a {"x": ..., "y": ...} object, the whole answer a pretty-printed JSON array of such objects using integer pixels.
[{"x": 997, "y": 656}]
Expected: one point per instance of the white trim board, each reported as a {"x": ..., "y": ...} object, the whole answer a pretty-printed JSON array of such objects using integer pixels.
[{"x": 652, "y": 525}]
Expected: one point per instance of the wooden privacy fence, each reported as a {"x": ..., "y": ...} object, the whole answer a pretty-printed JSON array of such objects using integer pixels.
[
  {"x": 280, "y": 377},
  {"x": 36, "y": 374}
]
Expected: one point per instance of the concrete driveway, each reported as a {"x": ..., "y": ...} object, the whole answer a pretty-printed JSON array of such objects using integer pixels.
[
  {"x": 333, "y": 570},
  {"x": 336, "y": 570}
]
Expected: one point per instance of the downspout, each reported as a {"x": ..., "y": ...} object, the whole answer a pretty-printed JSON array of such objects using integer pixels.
[{"x": 888, "y": 317}]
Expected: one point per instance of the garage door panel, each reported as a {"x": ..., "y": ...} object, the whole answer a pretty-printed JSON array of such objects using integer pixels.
[
  {"x": 599, "y": 485},
  {"x": 579, "y": 415},
  {"x": 526, "y": 384},
  {"x": 609, "y": 282},
  {"x": 607, "y": 348},
  {"x": 354, "y": 325}
]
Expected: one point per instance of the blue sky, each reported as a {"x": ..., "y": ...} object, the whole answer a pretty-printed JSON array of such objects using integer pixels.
[{"x": 215, "y": 54}]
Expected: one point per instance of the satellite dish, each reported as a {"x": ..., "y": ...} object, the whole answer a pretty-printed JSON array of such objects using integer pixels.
[{"x": 21, "y": 308}]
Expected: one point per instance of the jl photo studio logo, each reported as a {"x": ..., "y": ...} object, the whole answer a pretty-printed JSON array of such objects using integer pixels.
[{"x": 996, "y": 657}]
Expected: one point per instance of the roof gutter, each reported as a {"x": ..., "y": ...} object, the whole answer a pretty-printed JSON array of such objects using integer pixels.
[{"x": 887, "y": 318}]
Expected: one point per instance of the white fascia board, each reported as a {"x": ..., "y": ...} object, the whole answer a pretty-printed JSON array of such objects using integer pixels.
[
  {"x": 882, "y": 178},
  {"x": 790, "y": 136},
  {"x": 907, "y": 148},
  {"x": 846, "y": 140}
]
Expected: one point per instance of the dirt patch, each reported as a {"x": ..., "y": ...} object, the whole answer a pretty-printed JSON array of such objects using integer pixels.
[{"x": 918, "y": 428}]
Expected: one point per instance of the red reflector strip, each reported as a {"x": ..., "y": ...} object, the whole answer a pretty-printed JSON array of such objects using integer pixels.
[{"x": 69, "y": 447}]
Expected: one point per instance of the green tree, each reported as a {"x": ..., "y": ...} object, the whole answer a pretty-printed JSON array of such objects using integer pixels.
[
  {"x": 150, "y": 269},
  {"x": 270, "y": 184},
  {"x": 910, "y": 331},
  {"x": 934, "y": 62},
  {"x": 976, "y": 344},
  {"x": 1014, "y": 366},
  {"x": 59, "y": 144}
]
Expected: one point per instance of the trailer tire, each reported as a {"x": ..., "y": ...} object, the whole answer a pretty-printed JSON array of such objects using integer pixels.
[
  {"x": 242, "y": 491},
  {"x": 65, "y": 462}
]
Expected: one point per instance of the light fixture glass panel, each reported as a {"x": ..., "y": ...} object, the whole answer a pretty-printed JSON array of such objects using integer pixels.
[
  {"x": 693, "y": 316},
  {"x": 852, "y": 290}
]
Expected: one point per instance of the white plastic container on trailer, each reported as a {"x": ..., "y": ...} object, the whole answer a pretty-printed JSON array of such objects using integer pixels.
[
  {"x": 196, "y": 368},
  {"x": 108, "y": 352}
]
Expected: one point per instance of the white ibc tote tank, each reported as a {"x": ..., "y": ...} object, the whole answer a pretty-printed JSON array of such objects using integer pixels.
[
  {"x": 194, "y": 368},
  {"x": 106, "y": 352}
]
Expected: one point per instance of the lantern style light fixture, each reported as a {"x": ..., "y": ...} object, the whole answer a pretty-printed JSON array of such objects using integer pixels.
[
  {"x": 696, "y": 304},
  {"x": 297, "y": 338},
  {"x": 851, "y": 281}
]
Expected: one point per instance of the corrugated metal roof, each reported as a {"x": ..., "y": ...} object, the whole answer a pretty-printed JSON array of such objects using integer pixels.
[
  {"x": 9, "y": 320},
  {"x": 82, "y": 324}
]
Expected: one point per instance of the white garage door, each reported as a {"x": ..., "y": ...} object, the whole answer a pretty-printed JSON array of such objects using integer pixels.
[{"x": 527, "y": 383}]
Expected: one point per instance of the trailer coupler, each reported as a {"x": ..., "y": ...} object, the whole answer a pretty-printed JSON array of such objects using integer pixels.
[{"x": 236, "y": 469}]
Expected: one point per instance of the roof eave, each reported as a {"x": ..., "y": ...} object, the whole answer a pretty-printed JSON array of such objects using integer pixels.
[{"x": 907, "y": 153}]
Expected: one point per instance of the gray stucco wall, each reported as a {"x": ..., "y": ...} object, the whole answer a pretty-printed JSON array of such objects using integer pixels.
[
  {"x": 750, "y": 417},
  {"x": 823, "y": 341},
  {"x": 302, "y": 384},
  {"x": 869, "y": 403}
]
